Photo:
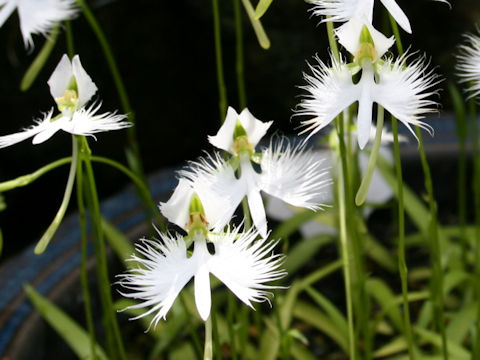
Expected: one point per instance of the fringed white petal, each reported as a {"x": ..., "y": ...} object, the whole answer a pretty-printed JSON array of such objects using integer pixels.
[
  {"x": 164, "y": 271},
  {"x": 254, "y": 128},
  {"x": 245, "y": 266},
  {"x": 349, "y": 38},
  {"x": 7, "y": 8},
  {"x": 40, "y": 16},
  {"x": 85, "y": 122},
  {"x": 40, "y": 126},
  {"x": 468, "y": 63},
  {"x": 404, "y": 90},
  {"x": 294, "y": 174},
  {"x": 86, "y": 87},
  {"x": 329, "y": 91}
]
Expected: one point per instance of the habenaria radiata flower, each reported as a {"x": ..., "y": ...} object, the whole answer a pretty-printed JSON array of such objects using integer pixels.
[
  {"x": 72, "y": 89},
  {"x": 288, "y": 172},
  {"x": 403, "y": 89},
  {"x": 37, "y": 16},
  {"x": 344, "y": 10},
  {"x": 241, "y": 263},
  {"x": 468, "y": 63}
]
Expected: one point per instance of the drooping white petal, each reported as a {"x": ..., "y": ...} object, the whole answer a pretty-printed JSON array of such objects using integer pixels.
[
  {"x": 164, "y": 271},
  {"x": 61, "y": 77},
  {"x": 404, "y": 90},
  {"x": 40, "y": 126},
  {"x": 365, "y": 105},
  {"x": 203, "y": 296},
  {"x": 349, "y": 36},
  {"x": 329, "y": 91},
  {"x": 86, "y": 87},
  {"x": 468, "y": 63},
  {"x": 40, "y": 16},
  {"x": 251, "y": 179},
  {"x": 254, "y": 128},
  {"x": 294, "y": 175},
  {"x": 85, "y": 122},
  {"x": 245, "y": 265},
  {"x": 397, "y": 14}
]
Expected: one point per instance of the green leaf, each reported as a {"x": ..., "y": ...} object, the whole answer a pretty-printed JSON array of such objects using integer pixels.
[
  {"x": 73, "y": 334},
  {"x": 39, "y": 62},
  {"x": 331, "y": 310},
  {"x": 261, "y": 8},
  {"x": 377, "y": 252},
  {"x": 312, "y": 316},
  {"x": 397, "y": 345},
  {"x": 461, "y": 322},
  {"x": 291, "y": 225},
  {"x": 454, "y": 350},
  {"x": 299, "y": 352},
  {"x": 262, "y": 37},
  {"x": 377, "y": 289},
  {"x": 119, "y": 242},
  {"x": 303, "y": 251}
]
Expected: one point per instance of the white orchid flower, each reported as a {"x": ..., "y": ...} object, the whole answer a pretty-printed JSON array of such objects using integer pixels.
[
  {"x": 241, "y": 263},
  {"x": 37, "y": 16},
  {"x": 72, "y": 89},
  {"x": 344, "y": 10},
  {"x": 197, "y": 180},
  {"x": 400, "y": 88},
  {"x": 468, "y": 63}
]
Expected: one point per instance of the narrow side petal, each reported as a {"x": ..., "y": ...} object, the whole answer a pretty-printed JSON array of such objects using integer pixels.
[
  {"x": 86, "y": 87},
  {"x": 61, "y": 77},
  {"x": 255, "y": 128},
  {"x": 176, "y": 209},
  {"x": 224, "y": 137}
]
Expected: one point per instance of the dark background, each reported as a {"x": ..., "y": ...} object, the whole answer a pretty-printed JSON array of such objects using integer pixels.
[{"x": 165, "y": 52}]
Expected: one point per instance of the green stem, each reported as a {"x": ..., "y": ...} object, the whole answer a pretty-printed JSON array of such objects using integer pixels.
[
  {"x": 40, "y": 60},
  {"x": 402, "y": 263},
  {"x": 367, "y": 178},
  {"x": 84, "y": 263},
  {"x": 332, "y": 41},
  {"x": 47, "y": 236},
  {"x": 25, "y": 180},
  {"x": 231, "y": 311},
  {"x": 222, "y": 91},
  {"x": 208, "y": 349},
  {"x": 141, "y": 186},
  {"x": 69, "y": 36},
  {"x": 346, "y": 261},
  {"x": 239, "y": 64},
  {"x": 99, "y": 242}
]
